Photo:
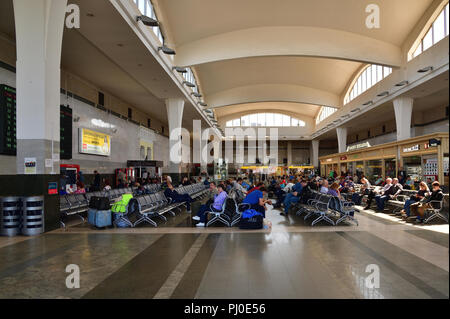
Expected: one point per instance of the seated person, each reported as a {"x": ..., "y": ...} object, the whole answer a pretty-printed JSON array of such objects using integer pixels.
[
  {"x": 391, "y": 193},
  {"x": 422, "y": 193},
  {"x": 365, "y": 190},
  {"x": 374, "y": 193},
  {"x": 258, "y": 186},
  {"x": 334, "y": 190},
  {"x": 80, "y": 188},
  {"x": 121, "y": 205},
  {"x": 256, "y": 200},
  {"x": 436, "y": 195},
  {"x": 293, "y": 197},
  {"x": 324, "y": 187},
  {"x": 170, "y": 192},
  {"x": 216, "y": 206}
]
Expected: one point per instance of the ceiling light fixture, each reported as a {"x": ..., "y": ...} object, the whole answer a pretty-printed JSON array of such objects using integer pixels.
[
  {"x": 368, "y": 103},
  {"x": 385, "y": 93},
  {"x": 167, "y": 50},
  {"x": 149, "y": 22},
  {"x": 425, "y": 69},
  {"x": 196, "y": 94},
  {"x": 356, "y": 110},
  {"x": 179, "y": 69},
  {"x": 189, "y": 84},
  {"x": 402, "y": 83},
  {"x": 202, "y": 104}
]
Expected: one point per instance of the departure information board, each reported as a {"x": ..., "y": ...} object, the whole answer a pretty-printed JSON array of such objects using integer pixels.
[
  {"x": 8, "y": 144},
  {"x": 66, "y": 132}
]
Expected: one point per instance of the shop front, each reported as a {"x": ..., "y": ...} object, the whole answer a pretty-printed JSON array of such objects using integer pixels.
[{"x": 421, "y": 158}]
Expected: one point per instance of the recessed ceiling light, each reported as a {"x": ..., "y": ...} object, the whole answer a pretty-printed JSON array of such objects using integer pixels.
[
  {"x": 119, "y": 44},
  {"x": 90, "y": 14}
]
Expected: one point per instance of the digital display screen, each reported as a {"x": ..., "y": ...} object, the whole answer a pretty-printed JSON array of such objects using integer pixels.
[{"x": 8, "y": 144}]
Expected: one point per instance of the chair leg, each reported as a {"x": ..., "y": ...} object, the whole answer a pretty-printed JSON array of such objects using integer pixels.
[{"x": 212, "y": 221}]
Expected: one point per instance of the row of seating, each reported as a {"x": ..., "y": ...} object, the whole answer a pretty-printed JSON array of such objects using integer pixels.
[
  {"x": 327, "y": 208},
  {"x": 76, "y": 204},
  {"x": 149, "y": 207},
  {"x": 438, "y": 211}
]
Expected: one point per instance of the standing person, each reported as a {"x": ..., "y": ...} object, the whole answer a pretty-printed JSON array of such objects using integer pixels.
[
  {"x": 121, "y": 177},
  {"x": 97, "y": 180},
  {"x": 219, "y": 200}
]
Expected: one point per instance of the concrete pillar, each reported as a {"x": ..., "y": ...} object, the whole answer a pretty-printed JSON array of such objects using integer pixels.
[
  {"x": 342, "y": 139},
  {"x": 175, "y": 107},
  {"x": 39, "y": 31},
  {"x": 315, "y": 153},
  {"x": 289, "y": 153},
  {"x": 403, "y": 113},
  {"x": 39, "y": 26}
]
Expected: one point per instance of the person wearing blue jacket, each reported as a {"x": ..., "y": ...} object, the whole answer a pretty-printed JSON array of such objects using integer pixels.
[{"x": 292, "y": 197}]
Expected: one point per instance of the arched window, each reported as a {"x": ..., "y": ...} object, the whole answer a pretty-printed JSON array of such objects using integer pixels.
[
  {"x": 436, "y": 32},
  {"x": 371, "y": 75},
  {"x": 324, "y": 112},
  {"x": 266, "y": 119}
]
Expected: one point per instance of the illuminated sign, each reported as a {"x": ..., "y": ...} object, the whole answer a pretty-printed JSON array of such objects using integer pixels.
[
  {"x": 95, "y": 143},
  {"x": 358, "y": 146},
  {"x": 411, "y": 148}
]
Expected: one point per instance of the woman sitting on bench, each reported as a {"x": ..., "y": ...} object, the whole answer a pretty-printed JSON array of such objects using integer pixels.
[{"x": 423, "y": 192}]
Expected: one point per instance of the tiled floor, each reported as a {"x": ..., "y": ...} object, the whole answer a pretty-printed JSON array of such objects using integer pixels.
[{"x": 176, "y": 260}]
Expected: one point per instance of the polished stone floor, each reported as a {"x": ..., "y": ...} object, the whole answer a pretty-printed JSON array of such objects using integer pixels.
[{"x": 176, "y": 260}]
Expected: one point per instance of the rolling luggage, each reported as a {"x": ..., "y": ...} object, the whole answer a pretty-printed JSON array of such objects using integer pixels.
[
  {"x": 99, "y": 203},
  {"x": 99, "y": 218}
]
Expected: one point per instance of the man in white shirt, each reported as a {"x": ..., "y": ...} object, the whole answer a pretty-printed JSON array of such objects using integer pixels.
[
  {"x": 288, "y": 186},
  {"x": 324, "y": 187},
  {"x": 374, "y": 193}
]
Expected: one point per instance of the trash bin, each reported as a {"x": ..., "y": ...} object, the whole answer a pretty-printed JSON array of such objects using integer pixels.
[
  {"x": 11, "y": 215},
  {"x": 33, "y": 215}
]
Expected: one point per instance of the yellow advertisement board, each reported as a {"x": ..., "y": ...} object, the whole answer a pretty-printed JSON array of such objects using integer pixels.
[
  {"x": 146, "y": 150},
  {"x": 96, "y": 143}
]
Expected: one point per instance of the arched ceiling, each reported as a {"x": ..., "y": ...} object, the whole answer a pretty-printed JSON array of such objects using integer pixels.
[{"x": 290, "y": 51}]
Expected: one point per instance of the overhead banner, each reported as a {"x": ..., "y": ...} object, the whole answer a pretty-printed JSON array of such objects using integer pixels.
[{"x": 95, "y": 143}]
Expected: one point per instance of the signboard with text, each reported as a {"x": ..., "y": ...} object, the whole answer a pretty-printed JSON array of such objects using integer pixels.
[{"x": 95, "y": 143}]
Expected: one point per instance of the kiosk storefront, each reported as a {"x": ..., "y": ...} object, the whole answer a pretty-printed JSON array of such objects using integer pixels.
[{"x": 420, "y": 157}]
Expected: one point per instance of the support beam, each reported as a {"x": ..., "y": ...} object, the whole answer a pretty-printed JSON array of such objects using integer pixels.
[
  {"x": 315, "y": 153},
  {"x": 175, "y": 107},
  {"x": 342, "y": 139},
  {"x": 39, "y": 26},
  {"x": 289, "y": 153},
  {"x": 403, "y": 113}
]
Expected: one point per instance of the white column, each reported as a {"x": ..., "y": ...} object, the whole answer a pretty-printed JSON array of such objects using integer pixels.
[
  {"x": 175, "y": 108},
  {"x": 403, "y": 113},
  {"x": 315, "y": 153},
  {"x": 289, "y": 153},
  {"x": 39, "y": 30},
  {"x": 342, "y": 139}
]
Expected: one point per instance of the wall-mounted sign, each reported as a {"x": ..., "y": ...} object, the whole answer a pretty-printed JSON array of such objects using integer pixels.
[
  {"x": 30, "y": 165},
  {"x": 343, "y": 158},
  {"x": 52, "y": 188},
  {"x": 329, "y": 159},
  {"x": 95, "y": 143},
  {"x": 358, "y": 146},
  {"x": 413, "y": 148}
]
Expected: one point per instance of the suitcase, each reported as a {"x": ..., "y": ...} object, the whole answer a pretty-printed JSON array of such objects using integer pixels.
[
  {"x": 99, "y": 218},
  {"x": 256, "y": 222},
  {"x": 99, "y": 203}
]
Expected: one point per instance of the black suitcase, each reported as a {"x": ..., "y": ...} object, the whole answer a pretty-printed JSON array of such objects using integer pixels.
[
  {"x": 256, "y": 222},
  {"x": 99, "y": 203}
]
